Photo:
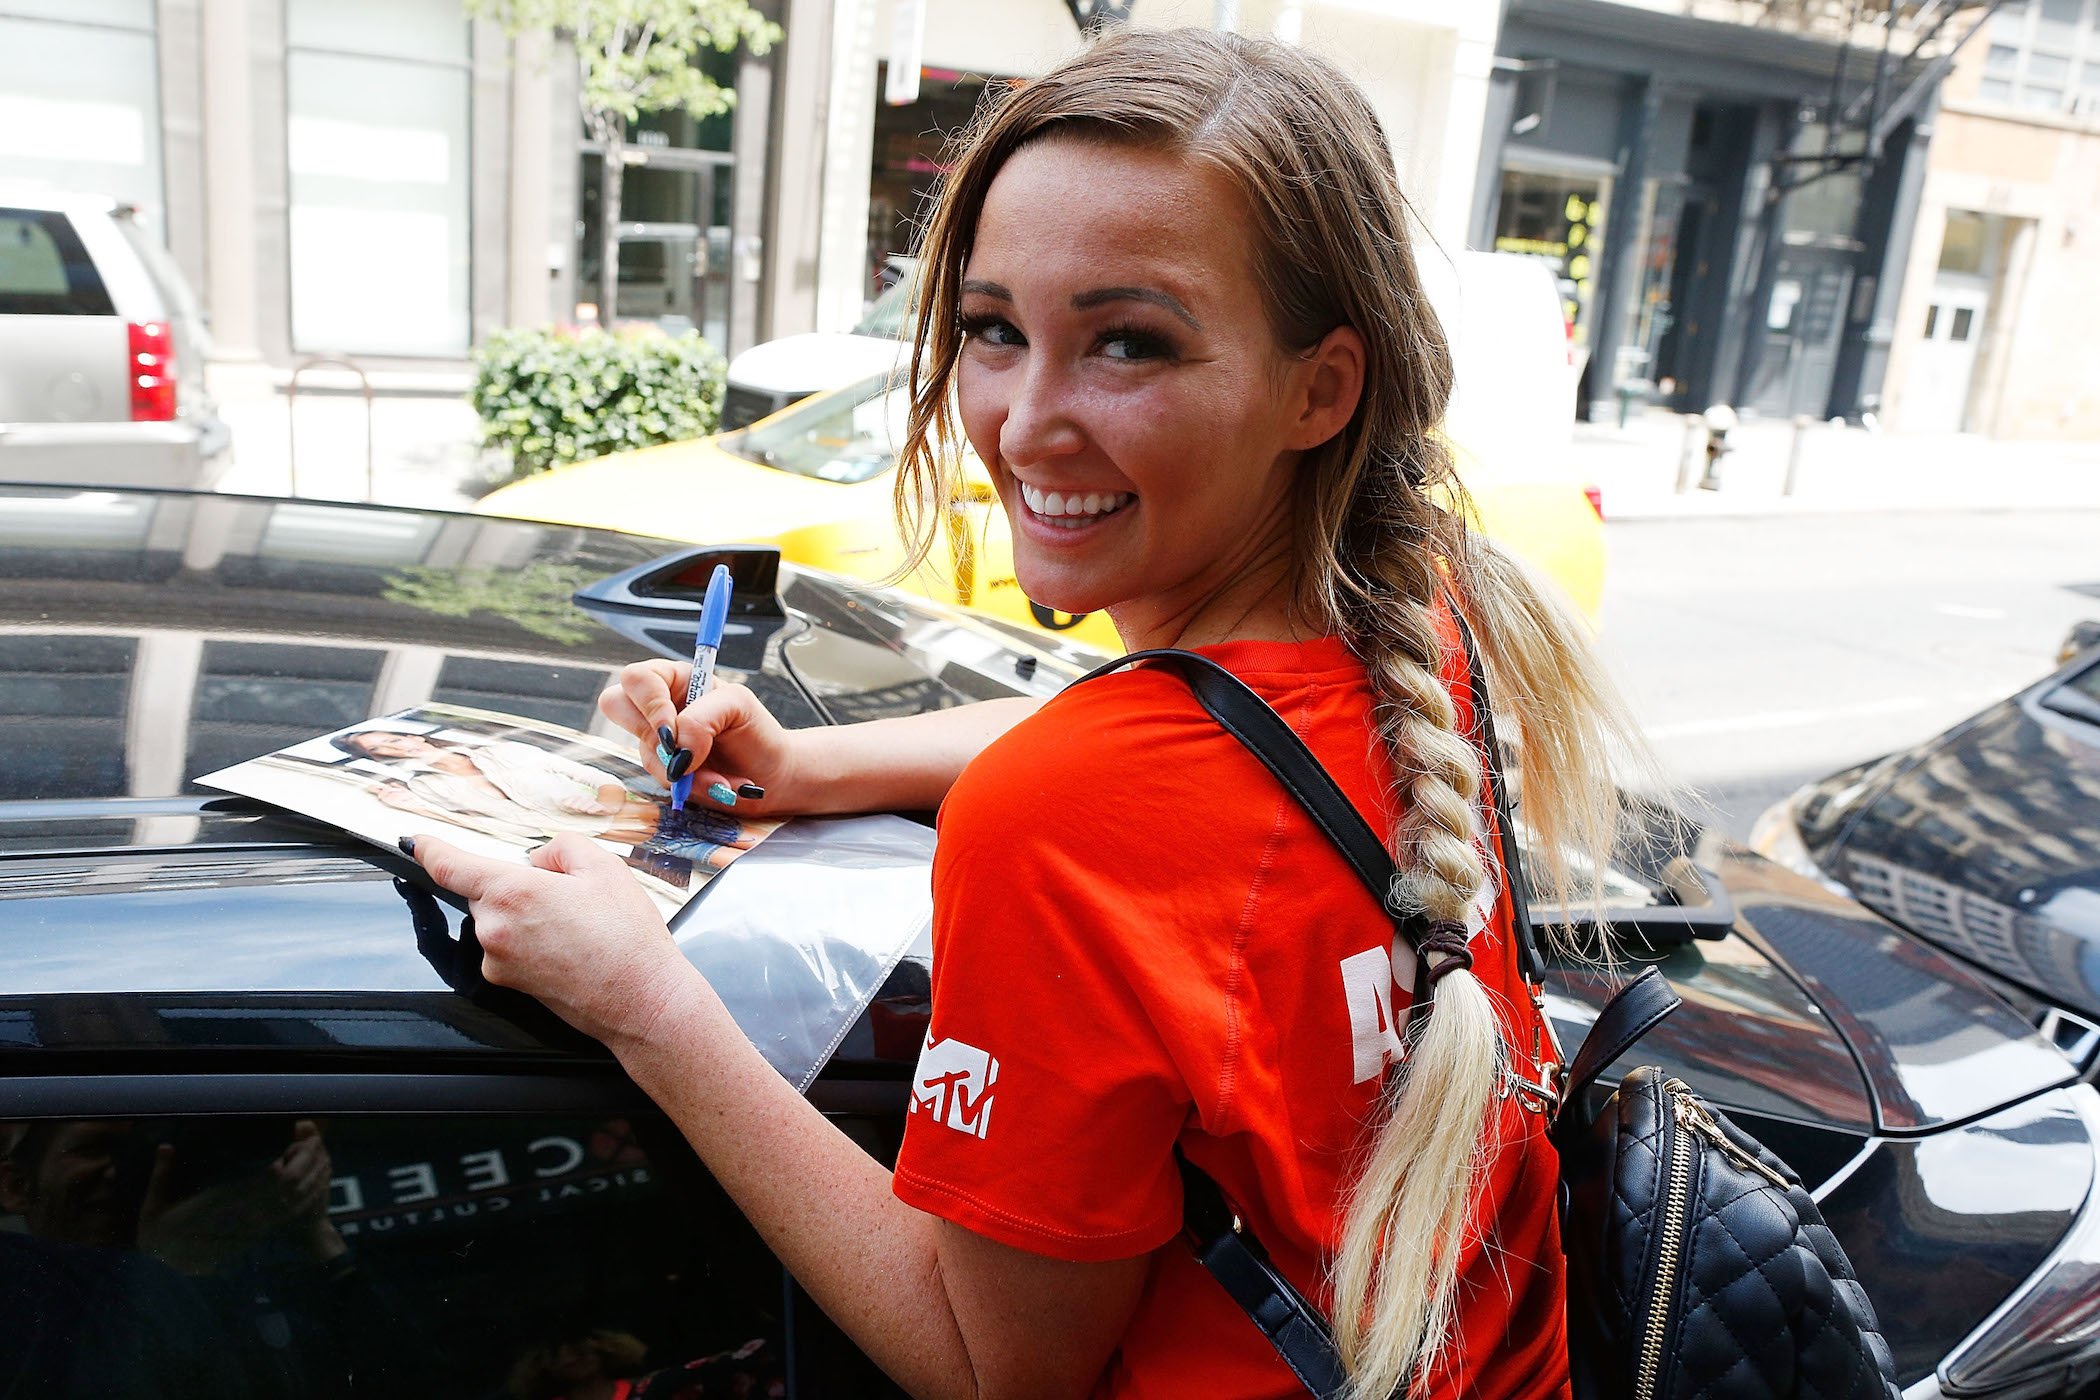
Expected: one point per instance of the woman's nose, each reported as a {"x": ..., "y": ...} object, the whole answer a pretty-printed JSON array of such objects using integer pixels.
[{"x": 1040, "y": 421}]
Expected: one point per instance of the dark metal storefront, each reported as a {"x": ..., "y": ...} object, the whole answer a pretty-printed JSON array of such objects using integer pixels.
[{"x": 1636, "y": 153}]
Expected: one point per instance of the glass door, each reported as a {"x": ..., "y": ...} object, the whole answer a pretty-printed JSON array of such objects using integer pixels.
[{"x": 674, "y": 241}]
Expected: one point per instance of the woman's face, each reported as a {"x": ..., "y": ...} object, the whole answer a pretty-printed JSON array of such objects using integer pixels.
[
  {"x": 1120, "y": 380},
  {"x": 383, "y": 743}
]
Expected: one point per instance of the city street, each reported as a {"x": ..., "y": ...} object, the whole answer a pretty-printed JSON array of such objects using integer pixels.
[{"x": 1764, "y": 651}]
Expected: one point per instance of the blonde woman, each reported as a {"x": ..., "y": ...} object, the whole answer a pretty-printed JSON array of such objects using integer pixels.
[{"x": 1172, "y": 303}]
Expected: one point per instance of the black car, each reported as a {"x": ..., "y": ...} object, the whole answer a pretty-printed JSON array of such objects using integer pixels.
[
  {"x": 211, "y": 1007},
  {"x": 1985, "y": 842}
]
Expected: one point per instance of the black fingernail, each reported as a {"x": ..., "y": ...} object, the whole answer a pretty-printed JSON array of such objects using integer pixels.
[
  {"x": 750, "y": 791},
  {"x": 666, "y": 737},
  {"x": 408, "y": 846},
  {"x": 680, "y": 761}
]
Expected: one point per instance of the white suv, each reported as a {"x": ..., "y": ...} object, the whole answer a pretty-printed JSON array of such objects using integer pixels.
[{"x": 102, "y": 350}]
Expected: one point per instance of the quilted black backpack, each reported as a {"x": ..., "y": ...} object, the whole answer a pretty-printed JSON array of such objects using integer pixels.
[{"x": 1698, "y": 1266}]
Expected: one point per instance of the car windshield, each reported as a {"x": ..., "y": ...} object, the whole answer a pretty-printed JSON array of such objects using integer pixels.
[
  {"x": 845, "y": 437},
  {"x": 886, "y": 317}
]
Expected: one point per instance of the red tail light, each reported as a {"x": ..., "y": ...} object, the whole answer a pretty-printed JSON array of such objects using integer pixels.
[
  {"x": 1595, "y": 496},
  {"x": 152, "y": 369}
]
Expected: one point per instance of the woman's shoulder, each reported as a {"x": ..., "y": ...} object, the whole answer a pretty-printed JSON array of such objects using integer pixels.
[{"x": 1119, "y": 731}]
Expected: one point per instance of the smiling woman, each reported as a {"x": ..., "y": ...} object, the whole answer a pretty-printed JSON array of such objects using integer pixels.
[{"x": 1170, "y": 300}]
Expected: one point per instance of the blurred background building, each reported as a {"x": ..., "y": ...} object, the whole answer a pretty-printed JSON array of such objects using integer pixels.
[
  {"x": 1726, "y": 188},
  {"x": 1994, "y": 334},
  {"x": 1743, "y": 200},
  {"x": 382, "y": 181}
]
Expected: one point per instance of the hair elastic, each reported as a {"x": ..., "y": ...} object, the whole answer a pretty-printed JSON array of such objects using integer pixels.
[{"x": 1447, "y": 940}]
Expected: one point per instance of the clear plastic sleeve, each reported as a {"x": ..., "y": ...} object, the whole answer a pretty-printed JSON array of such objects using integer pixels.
[{"x": 799, "y": 935}]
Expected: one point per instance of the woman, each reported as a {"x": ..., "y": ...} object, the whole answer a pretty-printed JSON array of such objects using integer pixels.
[
  {"x": 1170, "y": 297},
  {"x": 510, "y": 784}
]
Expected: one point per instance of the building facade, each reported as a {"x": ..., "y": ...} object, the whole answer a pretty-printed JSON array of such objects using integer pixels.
[
  {"x": 1659, "y": 154},
  {"x": 387, "y": 182},
  {"x": 1994, "y": 333},
  {"x": 855, "y": 164}
]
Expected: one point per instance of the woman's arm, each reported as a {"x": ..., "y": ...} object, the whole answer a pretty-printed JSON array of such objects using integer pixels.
[
  {"x": 943, "y": 1311},
  {"x": 905, "y": 764}
]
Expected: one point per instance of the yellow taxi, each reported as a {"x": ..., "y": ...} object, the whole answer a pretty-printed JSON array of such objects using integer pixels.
[{"x": 815, "y": 479}]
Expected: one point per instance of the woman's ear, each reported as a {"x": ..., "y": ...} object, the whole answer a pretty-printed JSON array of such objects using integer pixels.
[{"x": 1330, "y": 384}]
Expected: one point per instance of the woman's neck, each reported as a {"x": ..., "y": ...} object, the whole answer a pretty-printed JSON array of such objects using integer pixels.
[{"x": 1258, "y": 602}]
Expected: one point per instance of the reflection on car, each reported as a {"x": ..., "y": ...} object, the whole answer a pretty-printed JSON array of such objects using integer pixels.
[
  {"x": 206, "y": 996},
  {"x": 1985, "y": 842}
]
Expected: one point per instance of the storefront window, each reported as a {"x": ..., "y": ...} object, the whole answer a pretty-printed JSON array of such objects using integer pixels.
[
  {"x": 1650, "y": 315},
  {"x": 80, "y": 98},
  {"x": 1558, "y": 219},
  {"x": 380, "y": 235},
  {"x": 910, "y": 143}
]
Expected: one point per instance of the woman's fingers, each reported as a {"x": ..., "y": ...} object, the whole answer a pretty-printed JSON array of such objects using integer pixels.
[
  {"x": 458, "y": 871},
  {"x": 646, "y": 695}
]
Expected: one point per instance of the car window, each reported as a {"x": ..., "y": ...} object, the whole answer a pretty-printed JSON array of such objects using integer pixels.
[
  {"x": 389, "y": 1255},
  {"x": 846, "y": 437},
  {"x": 45, "y": 269},
  {"x": 886, "y": 317}
]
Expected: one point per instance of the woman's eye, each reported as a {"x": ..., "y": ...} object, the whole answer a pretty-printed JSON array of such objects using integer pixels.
[
  {"x": 1131, "y": 344},
  {"x": 990, "y": 330}
]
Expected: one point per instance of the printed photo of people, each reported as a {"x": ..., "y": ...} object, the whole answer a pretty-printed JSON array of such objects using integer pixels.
[{"x": 499, "y": 784}]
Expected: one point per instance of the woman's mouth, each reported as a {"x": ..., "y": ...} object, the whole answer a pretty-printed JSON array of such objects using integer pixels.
[{"x": 1073, "y": 510}]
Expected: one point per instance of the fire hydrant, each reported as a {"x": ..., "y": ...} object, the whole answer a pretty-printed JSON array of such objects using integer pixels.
[{"x": 1720, "y": 420}]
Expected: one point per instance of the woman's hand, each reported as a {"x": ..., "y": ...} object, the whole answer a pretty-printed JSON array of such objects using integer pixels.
[
  {"x": 733, "y": 739},
  {"x": 571, "y": 929}
]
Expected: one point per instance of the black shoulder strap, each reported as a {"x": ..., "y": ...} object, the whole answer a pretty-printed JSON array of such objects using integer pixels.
[
  {"x": 1237, "y": 1260},
  {"x": 1529, "y": 961}
]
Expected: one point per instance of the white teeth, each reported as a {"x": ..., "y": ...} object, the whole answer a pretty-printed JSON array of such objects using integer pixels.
[{"x": 1070, "y": 508}]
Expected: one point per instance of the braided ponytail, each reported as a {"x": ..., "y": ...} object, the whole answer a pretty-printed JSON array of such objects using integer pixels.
[{"x": 1381, "y": 537}]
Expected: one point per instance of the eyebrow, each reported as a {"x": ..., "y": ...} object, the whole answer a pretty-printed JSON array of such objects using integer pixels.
[{"x": 1099, "y": 296}]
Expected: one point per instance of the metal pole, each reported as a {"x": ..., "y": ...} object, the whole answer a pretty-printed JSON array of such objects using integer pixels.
[
  {"x": 1688, "y": 451},
  {"x": 1802, "y": 423}
]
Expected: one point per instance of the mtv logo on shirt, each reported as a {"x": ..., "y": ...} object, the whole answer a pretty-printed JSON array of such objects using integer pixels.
[{"x": 954, "y": 1084}]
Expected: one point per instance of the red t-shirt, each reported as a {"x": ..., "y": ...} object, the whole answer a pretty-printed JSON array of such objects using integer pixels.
[{"x": 1140, "y": 939}]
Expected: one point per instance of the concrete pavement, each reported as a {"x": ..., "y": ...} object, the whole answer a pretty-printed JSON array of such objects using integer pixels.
[
  {"x": 1838, "y": 469},
  {"x": 423, "y": 438}
]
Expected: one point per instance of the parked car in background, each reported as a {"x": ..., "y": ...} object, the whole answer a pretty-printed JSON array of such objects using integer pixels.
[
  {"x": 102, "y": 351},
  {"x": 814, "y": 479},
  {"x": 768, "y": 377},
  {"x": 1983, "y": 841},
  {"x": 200, "y": 986}
]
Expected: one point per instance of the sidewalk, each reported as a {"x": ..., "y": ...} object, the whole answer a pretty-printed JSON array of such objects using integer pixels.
[
  {"x": 424, "y": 438},
  {"x": 1840, "y": 469}
]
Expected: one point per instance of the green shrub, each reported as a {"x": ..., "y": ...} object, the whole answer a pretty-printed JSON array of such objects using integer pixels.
[{"x": 553, "y": 396}]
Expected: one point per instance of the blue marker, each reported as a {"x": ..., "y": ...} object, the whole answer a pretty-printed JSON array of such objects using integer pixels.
[{"x": 714, "y": 616}]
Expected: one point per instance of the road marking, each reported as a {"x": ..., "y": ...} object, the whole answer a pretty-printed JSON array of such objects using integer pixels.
[
  {"x": 1960, "y": 703},
  {"x": 1964, "y": 610},
  {"x": 1784, "y": 719}
]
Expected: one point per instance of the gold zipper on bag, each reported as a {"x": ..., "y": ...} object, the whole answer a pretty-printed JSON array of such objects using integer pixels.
[
  {"x": 1695, "y": 1116},
  {"x": 1669, "y": 1255}
]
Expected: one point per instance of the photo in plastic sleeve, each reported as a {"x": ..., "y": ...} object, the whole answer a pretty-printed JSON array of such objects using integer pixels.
[{"x": 499, "y": 785}]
